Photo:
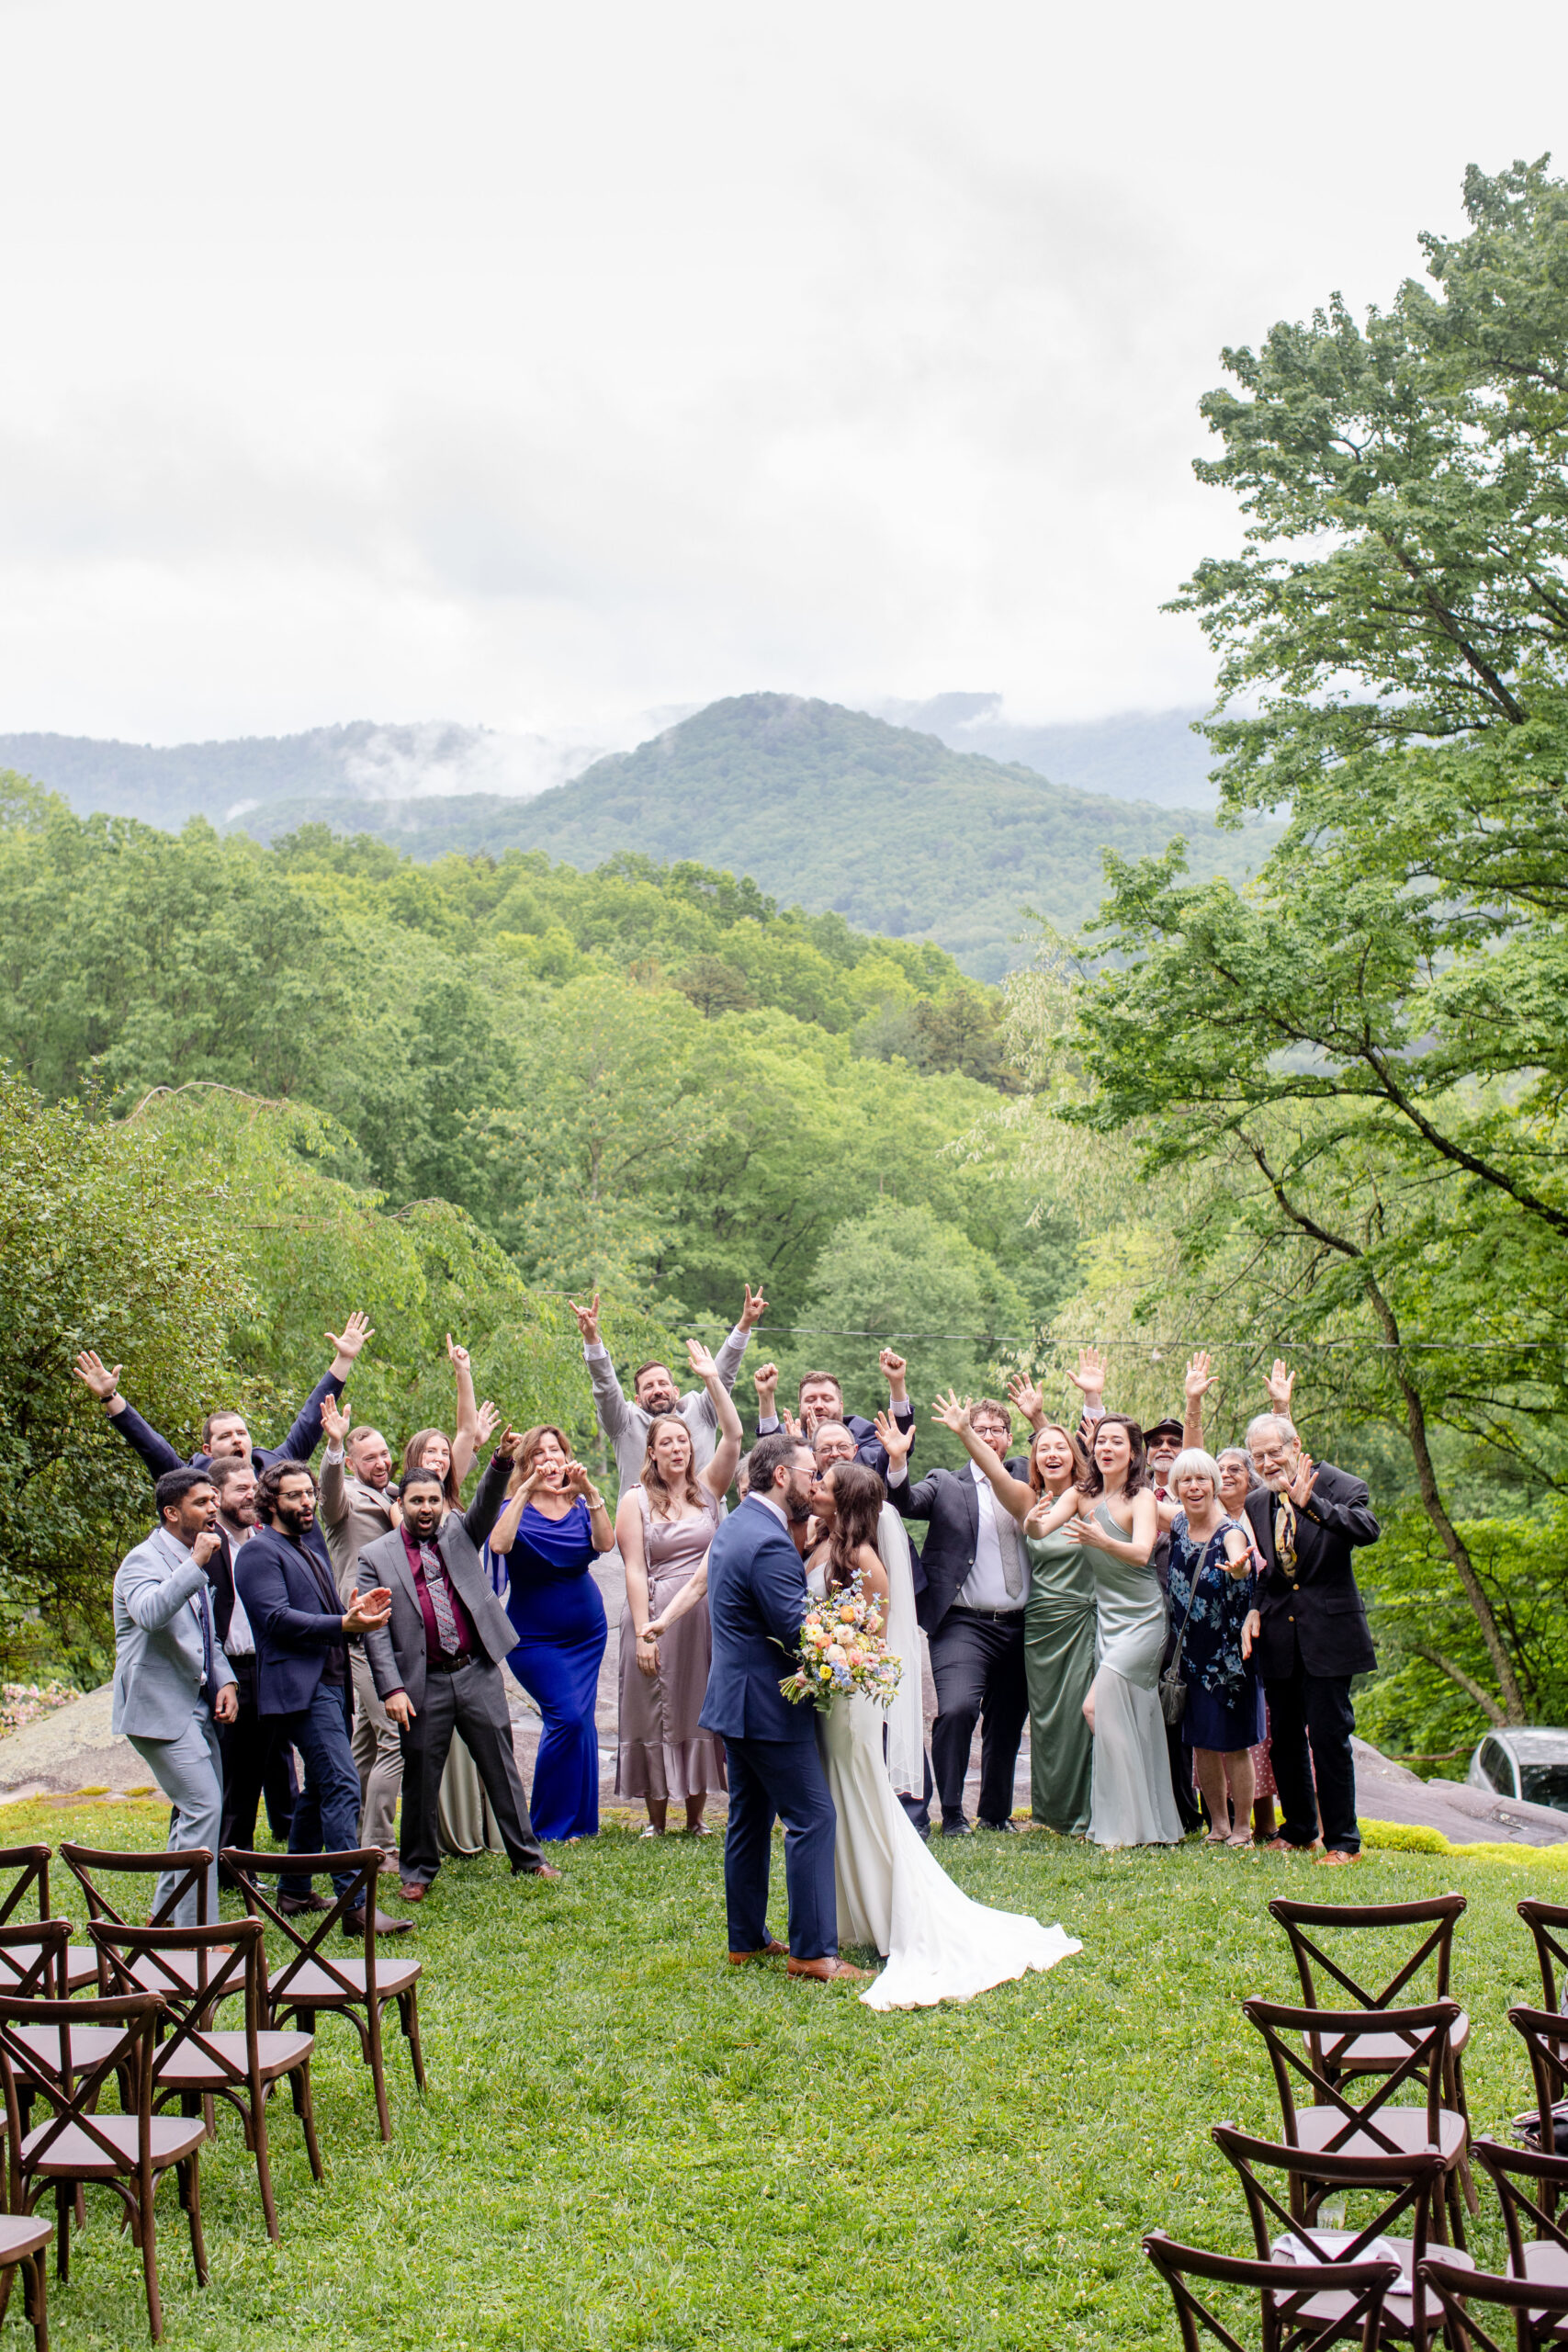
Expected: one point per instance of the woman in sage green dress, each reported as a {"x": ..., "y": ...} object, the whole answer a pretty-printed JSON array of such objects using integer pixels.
[{"x": 1058, "y": 1626}]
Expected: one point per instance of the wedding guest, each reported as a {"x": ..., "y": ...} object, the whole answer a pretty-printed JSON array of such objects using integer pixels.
[
  {"x": 625, "y": 1419},
  {"x": 254, "y": 1762},
  {"x": 820, "y": 1398},
  {"x": 225, "y": 1431},
  {"x": 173, "y": 1686},
  {"x": 1313, "y": 1635},
  {"x": 1212, "y": 1593},
  {"x": 358, "y": 1503},
  {"x": 463, "y": 1824},
  {"x": 1111, "y": 1511},
  {"x": 554, "y": 1524},
  {"x": 301, "y": 1634},
  {"x": 971, "y": 1612},
  {"x": 663, "y": 1527},
  {"x": 1238, "y": 1480}
]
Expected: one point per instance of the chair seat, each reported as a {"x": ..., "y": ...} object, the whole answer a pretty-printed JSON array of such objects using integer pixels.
[
  {"x": 81, "y": 1966},
  {"x": 90, "y": 2045},
  {"x": 1547, "y": 2262},
  {"x": 1405, "y": 2126},
  {"x": 78, "y": 2155},
  {"x": 190, "y": 2068},
  {"x": 311, "y": 1987},
  {"x": 20, "y": 2235},
  {"x": 1330, "y": 2306},
  {"x": 1379, "y": 2053}
]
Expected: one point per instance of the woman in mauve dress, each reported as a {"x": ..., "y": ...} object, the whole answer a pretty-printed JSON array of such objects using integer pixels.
[{"x": 664, "y": 1528}]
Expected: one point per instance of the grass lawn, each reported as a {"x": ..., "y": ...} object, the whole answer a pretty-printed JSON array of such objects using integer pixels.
[{"x": 628, "y": 2143}]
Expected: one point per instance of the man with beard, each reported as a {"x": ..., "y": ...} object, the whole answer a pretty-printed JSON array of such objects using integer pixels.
[
  {"x": 625, "y": 1419},
  {"x": 1307, "y": 1519},
  {"x": 253, "y": 1763},
  {"x": 302, "y": 1682},
  {"x": 820, "y": 1398},
  {"x": 356, "y": 1502}
]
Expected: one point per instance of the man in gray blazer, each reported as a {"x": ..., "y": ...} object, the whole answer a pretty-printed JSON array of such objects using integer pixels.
[
  {"x": 625, "y": 1420},
  {"x": 437, "y": 1663},
  {"x": 355, "y": 1510},
  {"x": 173, "y": 1686}
]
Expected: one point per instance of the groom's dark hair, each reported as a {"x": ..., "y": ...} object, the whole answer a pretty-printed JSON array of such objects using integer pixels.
[{"x": 768, "y": 1456}]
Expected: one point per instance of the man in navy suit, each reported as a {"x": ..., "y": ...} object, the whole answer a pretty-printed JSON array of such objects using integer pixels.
[
  {"x": 756, "y": 1601},
  {"x": 301, "y": 1634},
  {"x": 821, "y": 1399}
]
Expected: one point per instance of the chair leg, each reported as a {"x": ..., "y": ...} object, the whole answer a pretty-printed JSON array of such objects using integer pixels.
[
  {"x": 63, "y": 2201},
  {"x": 35, "y": 2274},
  {"x": 304, "y": 2108},
  {"x": 263, "y": 2166},
  {"x": 147, "y": 2224},
  {"x": 379, "y": 2070},
  {"x": 190, "y": 2197},
  {"x": 7, "y": 2279},
  {"x": 408, "y": 2012},
  {"x": 1461, "y": 2105}
]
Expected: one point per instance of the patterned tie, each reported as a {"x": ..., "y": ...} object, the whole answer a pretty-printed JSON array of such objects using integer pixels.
[
  {"x": 436, "y": 1584},
  {"x": 203, "y": 1600},
  {"x": 1006, "y": 1543},
  {"x": 1285, "y": 1538}
]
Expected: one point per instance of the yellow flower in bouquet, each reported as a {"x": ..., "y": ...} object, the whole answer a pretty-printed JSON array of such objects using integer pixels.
[{"x": 839, "y": 1652}]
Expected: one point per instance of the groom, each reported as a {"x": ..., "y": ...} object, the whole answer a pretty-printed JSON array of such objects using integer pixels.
[{"x": 757, "y": 1599}]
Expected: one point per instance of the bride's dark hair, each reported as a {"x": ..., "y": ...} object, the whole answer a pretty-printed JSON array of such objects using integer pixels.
[{"x": 858, "y": 1497}]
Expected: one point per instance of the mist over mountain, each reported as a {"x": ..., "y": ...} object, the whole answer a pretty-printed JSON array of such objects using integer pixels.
[{"x": 1138, "y": 755}]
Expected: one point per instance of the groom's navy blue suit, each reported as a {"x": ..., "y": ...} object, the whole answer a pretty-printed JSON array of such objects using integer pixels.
[{"x": 757, "y": 1599}]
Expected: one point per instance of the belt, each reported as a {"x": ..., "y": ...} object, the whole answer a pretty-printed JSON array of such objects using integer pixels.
[
  {"x": 444, "y": 1665},
  {"x": 962, "y": 1609}
]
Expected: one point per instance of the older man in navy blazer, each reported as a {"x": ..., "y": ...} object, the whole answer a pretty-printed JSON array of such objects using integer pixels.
[{"x": 757, "y": 1603}]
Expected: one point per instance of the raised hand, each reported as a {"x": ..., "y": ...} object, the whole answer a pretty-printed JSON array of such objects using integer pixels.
[
  {"x": 575, "y": 1480},
  {"x": 894, "y": 1440},
  {"x": 1025, "y": 1399},
  {"x": 755, "y": 1308},
  {"x": 587, "y": 1321},
  {"x": 702, "y": 1363},
  {"x": 205, "y": 1544},
  {"x": 335, "y": 1420},
  {"x": 951, "y": 1411},
  {"x": 1278, "y": 1385},
  {"x": 1089, "y": 1377},
  {"x": 1303, "y": 1478},
  {"x": 458, "y": 1355},
  {"x": 486, "y": 1421},
  {"x": 102, "y": 1383},
  {"x": 368, "y": 1611},
  {"x": 507, "y": 1444},
  {"x": 348, "y": 1342},
  {"x": 1198, "y": 1379},
  {"x": 789, "y": 1425},
  {"x": 765, "y": 1381}
]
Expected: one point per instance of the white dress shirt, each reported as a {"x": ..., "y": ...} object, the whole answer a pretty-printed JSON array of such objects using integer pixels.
[
  {"x": 239, "y": 1641},
  {"x": 985, "y": 1585}
]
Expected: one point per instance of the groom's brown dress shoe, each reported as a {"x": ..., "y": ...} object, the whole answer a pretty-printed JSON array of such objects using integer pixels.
[
  {"x": 828, "y": 1971},
  {"x": 771, "y": 1950}
]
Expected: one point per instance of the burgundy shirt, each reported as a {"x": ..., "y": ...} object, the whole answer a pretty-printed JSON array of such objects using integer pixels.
[{"x": 432, "y": 1649}]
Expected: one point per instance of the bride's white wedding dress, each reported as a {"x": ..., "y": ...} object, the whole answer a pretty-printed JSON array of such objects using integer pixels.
[{"x": 893, "y": 1892}]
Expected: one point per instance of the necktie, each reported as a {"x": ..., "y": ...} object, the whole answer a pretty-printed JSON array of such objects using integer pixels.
[
  {"x": 204, "y": 1618},
  {"x": 1285, "y": 1538},
  {"x": 1006, "y": 1543},
  {"x": 435, "y": 1568}
]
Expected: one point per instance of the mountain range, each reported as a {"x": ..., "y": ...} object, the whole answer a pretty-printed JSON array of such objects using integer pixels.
[{"x": 821, "y": 805}]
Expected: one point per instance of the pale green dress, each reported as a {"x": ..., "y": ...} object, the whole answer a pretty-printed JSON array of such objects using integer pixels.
[
  {"x": 1058, "y": 1665},
  {"x": 1131, "y": 1801}
]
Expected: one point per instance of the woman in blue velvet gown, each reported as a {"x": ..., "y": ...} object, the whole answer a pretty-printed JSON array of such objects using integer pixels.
[{"x": 553, "y": 1523}]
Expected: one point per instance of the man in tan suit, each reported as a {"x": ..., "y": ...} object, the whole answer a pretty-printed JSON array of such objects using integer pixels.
[{"x": 355, "y": 1510}]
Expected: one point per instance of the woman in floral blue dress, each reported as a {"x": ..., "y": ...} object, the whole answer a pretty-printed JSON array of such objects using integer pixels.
[{"x": 1213, "y": 1591}]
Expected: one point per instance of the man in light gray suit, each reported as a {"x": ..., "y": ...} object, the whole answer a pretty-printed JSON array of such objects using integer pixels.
[
  {"x": 437, "y": 1663},
  {"x": 625, "y": 1420},
  {"x": 173, "y": 1686}
]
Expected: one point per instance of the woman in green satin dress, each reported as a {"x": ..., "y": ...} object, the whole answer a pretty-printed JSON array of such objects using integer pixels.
[{"x": 1058, "y": 1628}]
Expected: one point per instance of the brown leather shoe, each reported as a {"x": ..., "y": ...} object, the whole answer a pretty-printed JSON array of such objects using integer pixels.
[
  {"x": 828, "y": 1971},
  {"x": 544, "y": 1869},
  {"x": 1337, "y": 1857},
  {"x": 771, "y": 1950},
  {"x": 415, "y": 1889},
  {"x": 385, "y": 1924}
]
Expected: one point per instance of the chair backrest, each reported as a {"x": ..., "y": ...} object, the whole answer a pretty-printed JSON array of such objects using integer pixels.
[
  {"x": 1538, "y": 2310},
  {"x": 1401, "y": 2183},
  {"x": 311, "y": 1941},
  {"x": 1312, "y": 1926},
  {"x": 1288, "y": 2288},
  {"x": 228, "y": 1960},
  {"x": 1326, "y": 2035},
  {"x": 189, "y": 1868},
  {"x": 1529, "y": 2184},
  {"x": 31, "y": 1866},
  {"x": 1548, "y": 1923},
  {"x": 72, "y": 2087},
  {"x": 1545, "y": 2037},
  {"x": 32, "y": 1960}
]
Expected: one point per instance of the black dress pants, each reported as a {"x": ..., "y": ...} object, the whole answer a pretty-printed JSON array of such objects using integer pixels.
[
  {"x": 472, "y": 1701},
  {"x": 977, "y": 1666},
  {"x": 256, "y": 1763},
  {"x": 1314, "y": 1707}
]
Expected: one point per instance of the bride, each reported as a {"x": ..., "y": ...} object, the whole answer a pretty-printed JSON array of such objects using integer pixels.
[{"x": 891, "y": 1892}]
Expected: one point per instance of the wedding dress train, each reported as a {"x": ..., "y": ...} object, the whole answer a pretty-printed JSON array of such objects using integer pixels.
[{"x": 893, "y": 1894}]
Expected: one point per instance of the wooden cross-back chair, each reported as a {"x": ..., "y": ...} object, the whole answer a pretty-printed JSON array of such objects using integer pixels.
[
  {"x": 314, "y": 1978},
  {"x": 195, "y": 2062},
  {"x": 96, "y": 1868},
  {"x": 77, "y": 2147},
  {"x": 1536, "y": 2314},
  {"x": 1530, "y": 2186},
  {"x": 30, "y": 1864},
  {"x": 1361, "y": 2286},
  {"x": 1402, "y": 2188},
  {"x": 1356, "y": 2115}
]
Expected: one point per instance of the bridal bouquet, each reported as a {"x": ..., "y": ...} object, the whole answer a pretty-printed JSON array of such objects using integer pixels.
[{"x": 838, "y": 1652}]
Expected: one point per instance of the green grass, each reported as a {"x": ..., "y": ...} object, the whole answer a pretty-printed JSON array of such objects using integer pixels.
[{"x": 627, "y": 2143}]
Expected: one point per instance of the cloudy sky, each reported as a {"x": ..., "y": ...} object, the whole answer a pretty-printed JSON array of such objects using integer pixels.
[{"x": 546, "y": 367}]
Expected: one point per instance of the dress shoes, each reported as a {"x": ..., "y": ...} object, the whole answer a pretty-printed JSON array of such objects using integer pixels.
[
  {"x": 771, "y": 1950},
  {"x": 541, "y": 1870},
  {"x": 959, "y": 1828},
  {"x": 293, "y": 1905},
  {"x": 997, "y": 1827},
  {"x": 354, "y": 1924},
  {"x": 828, "y": 1971},
  {"x": 413, "y": 1891}
]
